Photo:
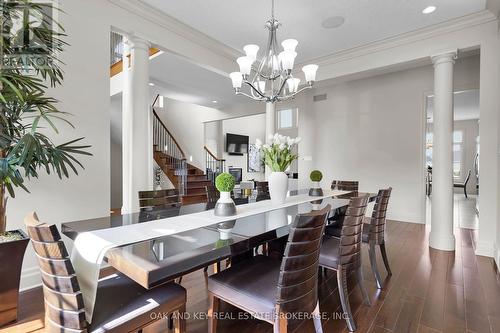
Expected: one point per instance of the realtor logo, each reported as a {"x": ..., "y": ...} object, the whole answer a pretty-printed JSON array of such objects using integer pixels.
[{"x": 27, "y": 30}]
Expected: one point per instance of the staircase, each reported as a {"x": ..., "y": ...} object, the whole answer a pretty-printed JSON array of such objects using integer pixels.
[{"x": 188, "y": 179}]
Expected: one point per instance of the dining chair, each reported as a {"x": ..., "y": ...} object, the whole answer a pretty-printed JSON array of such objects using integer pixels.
[
  {"x": 343, "y": 185},
  {"x": 373, "y": 233},
  {"x": 121, "y": 304},
  {"x": 276, "y": 287},
  {"x": 464, "y": 184},
  {"x": 159, "y": 199},
  {"x": 212, "y": 194},
  {"x": 343, "y": 254},
  {"x": 262, "y": 187}
]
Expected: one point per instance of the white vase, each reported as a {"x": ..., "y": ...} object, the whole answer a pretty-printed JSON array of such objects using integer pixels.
[
  {"x": 225, "y": 205},
  {"x": 278, "y": 187}
]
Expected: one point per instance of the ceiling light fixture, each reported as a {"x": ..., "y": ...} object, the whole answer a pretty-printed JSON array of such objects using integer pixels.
[
  {"x": 429, "y": 10},
  {"x": 333, "y": 22},
  {"x": 151, "y": 84},
  {"x": 215, "y": 102},
  {"x": 268, "y": 81}
]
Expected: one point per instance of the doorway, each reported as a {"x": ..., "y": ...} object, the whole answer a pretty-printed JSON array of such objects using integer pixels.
[{"x": 466, "y": 147}]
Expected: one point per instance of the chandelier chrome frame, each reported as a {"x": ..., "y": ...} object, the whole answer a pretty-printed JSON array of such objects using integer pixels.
[{"x": 272, "y": 80}]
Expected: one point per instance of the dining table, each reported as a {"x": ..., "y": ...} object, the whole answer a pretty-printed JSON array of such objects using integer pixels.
[{"x": 163, "y": 259}]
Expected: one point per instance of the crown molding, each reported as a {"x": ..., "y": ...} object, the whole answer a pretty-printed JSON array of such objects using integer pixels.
[
  {"x": 434, "y": 30},
  {"x": 183, "y": 30},
  {"x": 149, "y": 13}
]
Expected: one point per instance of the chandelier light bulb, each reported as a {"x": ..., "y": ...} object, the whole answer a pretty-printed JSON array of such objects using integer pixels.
[
  {"x": 296, "y": 82},
  {"x": 251, "y": 51},
  {"x": 310, "y": 72},
  {"x": 245, "y": 64},
  {"x": 287, "y": 59},
  {"x": 289, "y": 44},
  {"x": 237, "y": 79},
  {"x": 262, "y": 86}
]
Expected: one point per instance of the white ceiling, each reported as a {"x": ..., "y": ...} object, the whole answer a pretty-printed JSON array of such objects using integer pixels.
[
  {"x": 466, "y": 105},
  {"x": 181, "y": 80},
  {"x": 238, "y": 22}
]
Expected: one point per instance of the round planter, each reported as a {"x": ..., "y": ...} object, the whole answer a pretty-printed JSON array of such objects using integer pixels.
[
  {"x": 225, "y": 229},
  {"x": 316, "y": 190},
  {"x": 225, "y": 205},
  {"x": 278, "y": 187}
]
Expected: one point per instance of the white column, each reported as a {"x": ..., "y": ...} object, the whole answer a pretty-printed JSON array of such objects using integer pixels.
[
  {"x": 270, "y": 125},
  {"x": 136, "y": 124},
  {"x": 441, "y": 236}
]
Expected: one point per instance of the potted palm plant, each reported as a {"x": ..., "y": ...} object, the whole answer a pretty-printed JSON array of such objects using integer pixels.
[
  {"x": 30, "y": 43},
  {"x": 278, "y": 156}
]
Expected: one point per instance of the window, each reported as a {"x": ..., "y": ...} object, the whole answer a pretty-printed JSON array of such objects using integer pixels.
[
  {"x": 458, "y": 148},
  {"x": 287, "y": 118}
]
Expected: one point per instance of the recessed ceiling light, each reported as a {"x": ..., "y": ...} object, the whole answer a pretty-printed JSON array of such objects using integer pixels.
[
  {"x": 215, "y": 102},
  {"x": 151, "y": 84},
  {"x": 333, "y": 22},
  {"x": 429, "y": 9}
]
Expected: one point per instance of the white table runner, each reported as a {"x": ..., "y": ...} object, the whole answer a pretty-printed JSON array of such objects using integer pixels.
[{"x": 90, "y": 247}]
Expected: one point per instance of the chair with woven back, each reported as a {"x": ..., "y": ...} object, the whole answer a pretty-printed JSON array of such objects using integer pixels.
[
  {"x": 121, "y": 304},
  {"x": 343, "y": 254},
  {"x": 159, "y": 199},
  {"x": 277, "y": 287},
  {"x": 212, "y": 194}
]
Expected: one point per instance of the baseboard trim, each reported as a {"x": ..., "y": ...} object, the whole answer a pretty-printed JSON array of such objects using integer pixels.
[
  {"x": 485, "y": 249},
  {"x": 30, "y": 278},
  {"x": 497, "y": 256}
]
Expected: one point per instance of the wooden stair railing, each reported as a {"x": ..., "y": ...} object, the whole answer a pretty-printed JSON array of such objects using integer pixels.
[
  {"x": 116, "y": 65},
  {"x": 214, "y": 165},
  {"x": 164, "y": 142}
]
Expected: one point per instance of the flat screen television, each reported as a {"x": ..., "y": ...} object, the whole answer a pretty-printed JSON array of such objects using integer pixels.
[
  {"x": 237, "y": 173},
  {"x": 236, "y": 144}
]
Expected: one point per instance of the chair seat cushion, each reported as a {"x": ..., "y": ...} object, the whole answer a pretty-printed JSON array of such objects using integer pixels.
[
  {"x": 334, "y": 230},
  {"x": 250, "y": 285},
  {"x": 330, "y": 256},
  {"x": 123, "y": 305}
]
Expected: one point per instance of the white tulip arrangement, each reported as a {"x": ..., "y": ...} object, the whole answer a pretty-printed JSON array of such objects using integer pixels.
[{"x": 277, "y": 152}]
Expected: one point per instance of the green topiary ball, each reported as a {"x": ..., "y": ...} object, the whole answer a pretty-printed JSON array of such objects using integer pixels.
[
  {"x": 316, "y": 176},
  {"x": 224, "y": 182}
]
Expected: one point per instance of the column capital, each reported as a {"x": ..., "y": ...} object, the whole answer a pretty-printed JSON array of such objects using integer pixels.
[
  {"x": 134, "y": 41},
  {"x": 444, "y": 57}
]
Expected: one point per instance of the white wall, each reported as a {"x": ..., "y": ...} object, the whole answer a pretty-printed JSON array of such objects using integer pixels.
[
  {"x": 116, "y": 181},
  {"x": 84, "y": 94},
  {"x": 372, "y": 130},
  {"x": 255, "y": 128}
]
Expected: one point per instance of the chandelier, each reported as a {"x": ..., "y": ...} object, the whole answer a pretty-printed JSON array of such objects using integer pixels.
[{"x": 271, "y": 80}]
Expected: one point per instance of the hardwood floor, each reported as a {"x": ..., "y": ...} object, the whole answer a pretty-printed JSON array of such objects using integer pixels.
[{"x": 430, "y": 291}]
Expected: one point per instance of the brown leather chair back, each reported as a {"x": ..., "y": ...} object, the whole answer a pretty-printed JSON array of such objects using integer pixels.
[
  {"x": 377, "y": 221},
  {"x": 151, "y": 200},
  {"x": 351, "y": 234},
  {"x": 64, "y": 310},
  {"x": 298, "y": 281},
  {"x": 346, "y": 185},
  {"x": 212, "y": 194},
  {"x": 262, "y": 188}
]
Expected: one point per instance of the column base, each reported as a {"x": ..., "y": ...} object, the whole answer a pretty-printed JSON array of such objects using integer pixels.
[{"x": 442, "y": 242}]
